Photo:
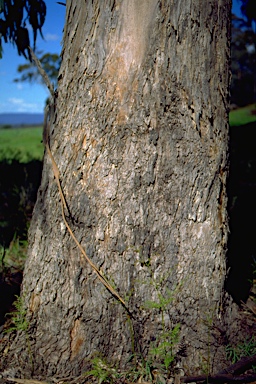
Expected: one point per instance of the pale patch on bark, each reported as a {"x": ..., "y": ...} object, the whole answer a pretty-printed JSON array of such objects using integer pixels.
[
  {"x": 136, "y": 21},
  {"x": 34, "y": 302},
  {"x": 77, "y": 340},
  {"x": 127, "y": 51}
]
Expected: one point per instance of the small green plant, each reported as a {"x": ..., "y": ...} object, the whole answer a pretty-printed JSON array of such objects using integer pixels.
[
  {"x": 206, "y": 360},
  {"x": 141, "y": 371},
  {"x": 158, "y": 363},
  {"x": 161, "y": 351},
  {"x": 18, "y": 317},
  {"x": 244, "y": 349},
  {"x": 20, "y": 323},
  {"x": 102, "y": 371},
  {"x": 161, "y": 304}
]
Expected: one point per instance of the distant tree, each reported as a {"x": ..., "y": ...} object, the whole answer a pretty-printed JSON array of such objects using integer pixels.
[
  {"x": 50, "y": 63},
  {"x": 243, "y": 62},
  {"x": 248, "y": 9},
  {"x": 15, "y": 14},
  {"x": 243, "y": 55}
]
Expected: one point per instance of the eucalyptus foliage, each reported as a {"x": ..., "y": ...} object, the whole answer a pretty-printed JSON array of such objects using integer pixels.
[{"x": 15, "y": 15}]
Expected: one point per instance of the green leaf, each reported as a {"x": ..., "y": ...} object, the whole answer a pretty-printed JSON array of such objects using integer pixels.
[{"x": 1, "y": 5}]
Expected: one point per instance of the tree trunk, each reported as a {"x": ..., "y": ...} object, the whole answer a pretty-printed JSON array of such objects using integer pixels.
[{"x": 140, "y": 138}]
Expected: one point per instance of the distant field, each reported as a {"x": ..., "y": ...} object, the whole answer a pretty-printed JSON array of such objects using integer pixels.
[
  {"x": 22, "y": 144},
  {"x": 243, "y": 116}
]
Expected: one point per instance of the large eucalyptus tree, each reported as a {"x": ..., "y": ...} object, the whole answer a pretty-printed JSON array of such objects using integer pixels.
[{"x": 140, "y": 138}]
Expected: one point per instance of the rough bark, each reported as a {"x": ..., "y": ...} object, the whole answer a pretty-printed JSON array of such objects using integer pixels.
[{"x": 140, "y": 139}]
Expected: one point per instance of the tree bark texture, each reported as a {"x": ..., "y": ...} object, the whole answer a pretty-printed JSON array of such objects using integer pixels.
[{"x": 140, "y": 138}]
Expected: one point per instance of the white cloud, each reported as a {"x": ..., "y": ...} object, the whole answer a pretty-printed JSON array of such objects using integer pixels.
[
  {"x": 51, "y": 37},
  {"x": 15, "y": 100},
  {"x": 19, "y": 86},
  {"x": 20, "y": 105}
]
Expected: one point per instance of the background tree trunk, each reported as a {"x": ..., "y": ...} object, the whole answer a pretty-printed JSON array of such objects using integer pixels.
[{"x": 140, "y": 138}]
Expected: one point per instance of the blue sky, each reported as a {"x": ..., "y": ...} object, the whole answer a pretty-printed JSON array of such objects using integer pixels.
[
  {"x": 30, "y": 98},
  {"x": 25, "y": 97}
]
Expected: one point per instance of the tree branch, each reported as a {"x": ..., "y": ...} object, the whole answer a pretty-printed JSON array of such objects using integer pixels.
[
  {"x": 241, "y": 365},
  {"x": 227, "y": 375},
  {"x": 219, "y": 378}
]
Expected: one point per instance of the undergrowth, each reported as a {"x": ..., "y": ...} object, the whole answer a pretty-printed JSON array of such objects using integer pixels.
[
  {"x": 18, "y": 316},
  {"x": 20, "y": 323},
  {"x": 14, "y": 256},
  {"x": 102, "y": 371},
  {"x": 244, "y": 349},
  {"x": 159, "y": 362}
]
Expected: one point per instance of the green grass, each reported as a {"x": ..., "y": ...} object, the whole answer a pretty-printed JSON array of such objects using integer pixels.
[
  {"x": 243, "y": 115},
  {"x": 13, "y": 258},
  {"x": 22, "y": 144}
]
